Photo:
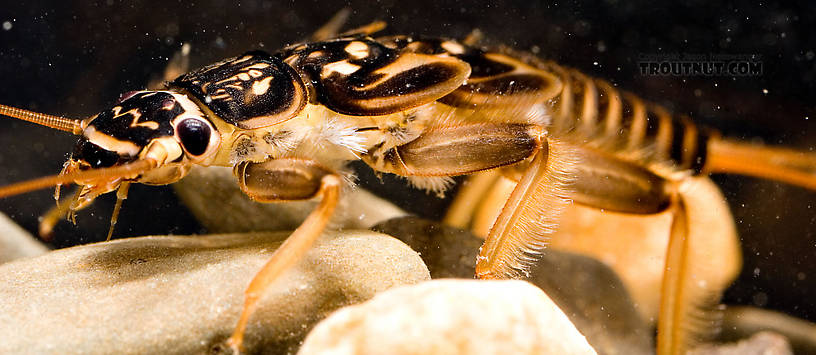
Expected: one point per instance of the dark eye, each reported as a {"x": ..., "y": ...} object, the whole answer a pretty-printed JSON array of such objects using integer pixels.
[{"x": 194, "y": 135}]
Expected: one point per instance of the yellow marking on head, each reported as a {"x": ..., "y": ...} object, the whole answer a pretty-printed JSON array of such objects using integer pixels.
[
  {"x": 357, "y": 50},
  {"x": 110, "y": 143},
  {"x": 260, "y": 87},
  {"x": 149, "y": 124},
  {"x": 342, "y": 67},
  {"x": 136, "y": 116},
  {"x": 191, "y": 109},
  {"x": 117, "y": 112},
  {"x": 315, "y": 54}
]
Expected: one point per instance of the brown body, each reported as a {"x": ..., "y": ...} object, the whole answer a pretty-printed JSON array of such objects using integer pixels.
[{"x": 427, "y": 109}]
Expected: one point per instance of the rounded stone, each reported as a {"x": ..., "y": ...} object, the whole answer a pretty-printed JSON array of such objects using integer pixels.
[
  {"x": 207, "y": 192},
  {"x": 16, "y": 243},
  {"x": 164, "y": 295},
  {"x": 450, "y": 317}
]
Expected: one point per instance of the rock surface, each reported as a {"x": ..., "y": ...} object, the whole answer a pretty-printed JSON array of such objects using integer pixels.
[
  {"x": 596, "y": 301},
  {"x": 589, "y": 292},
  {"x": 762, "y": 343},
  {"x": 449, "y": 252},
  {"x": 206, "y": 192},
  {"x": 636, "y": 250},
  {"x": 740, "y": 322},
  {"x": 16, "y": 243},
  {"x": 450, "y": 317},
  {"x": 183, "y": 295}
]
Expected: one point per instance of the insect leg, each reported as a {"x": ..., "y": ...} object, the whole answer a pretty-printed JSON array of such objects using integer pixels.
[
  {"x": 62, "y": 210},
  {"x": 458, "y": 149},
  {"x": 178, "y": 65},
  {"x": 53, "y": 216},
  {"x": 121, "y": 196},
  {"x": 531, "y": 213},
  {"x": 786, "y": 165},
  {"x": 690, "y": 289},
  {"x": 606, "y": 182},
  {"x": 332, "y": 27},
  {"x": 467, "y": 200},
  {"x": 676, "y": 257},
  {"x": 601, "y": 181},
  {"x": 474, "y": 38},
  {"x": 284, "y": 180}
]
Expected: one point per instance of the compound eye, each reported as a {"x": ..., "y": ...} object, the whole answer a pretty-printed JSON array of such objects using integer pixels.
[{"x": 194, "y": 136}]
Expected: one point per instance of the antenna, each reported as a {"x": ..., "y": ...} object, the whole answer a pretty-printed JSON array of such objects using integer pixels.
[
  {"x": 128, "y": 169},
  {"x": 61, "y": 123}
]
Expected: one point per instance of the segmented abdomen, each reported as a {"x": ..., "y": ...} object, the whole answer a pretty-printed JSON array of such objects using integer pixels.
[
  {"x": 591, "y": 111},
  {"x": 584, "y": 110}
]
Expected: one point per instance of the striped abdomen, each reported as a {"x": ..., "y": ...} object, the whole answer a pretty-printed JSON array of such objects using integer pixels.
[
  {"x": 585, "y": 111},
  {"x": 590, "y": 111}
]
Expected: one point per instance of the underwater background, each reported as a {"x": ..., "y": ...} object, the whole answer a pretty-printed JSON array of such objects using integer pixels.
[{"x": 75, "y": 58}]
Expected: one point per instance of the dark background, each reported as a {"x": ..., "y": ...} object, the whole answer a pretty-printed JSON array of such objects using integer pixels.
[{"x": 74, "y": 58}]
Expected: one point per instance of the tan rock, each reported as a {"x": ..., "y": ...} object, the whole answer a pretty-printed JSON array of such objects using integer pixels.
[
  {"x": 165, "y": 295},
  {"x": 206, "y": 192},
  {"x": 762, "y": 343},
  {"x": 16, "y": 243},
  {"x": 586, "y": 290},
  {"x": 635, "y": 245},
  {"x": 742, "y": 322},
  {"x": 450, "y": 317}
]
